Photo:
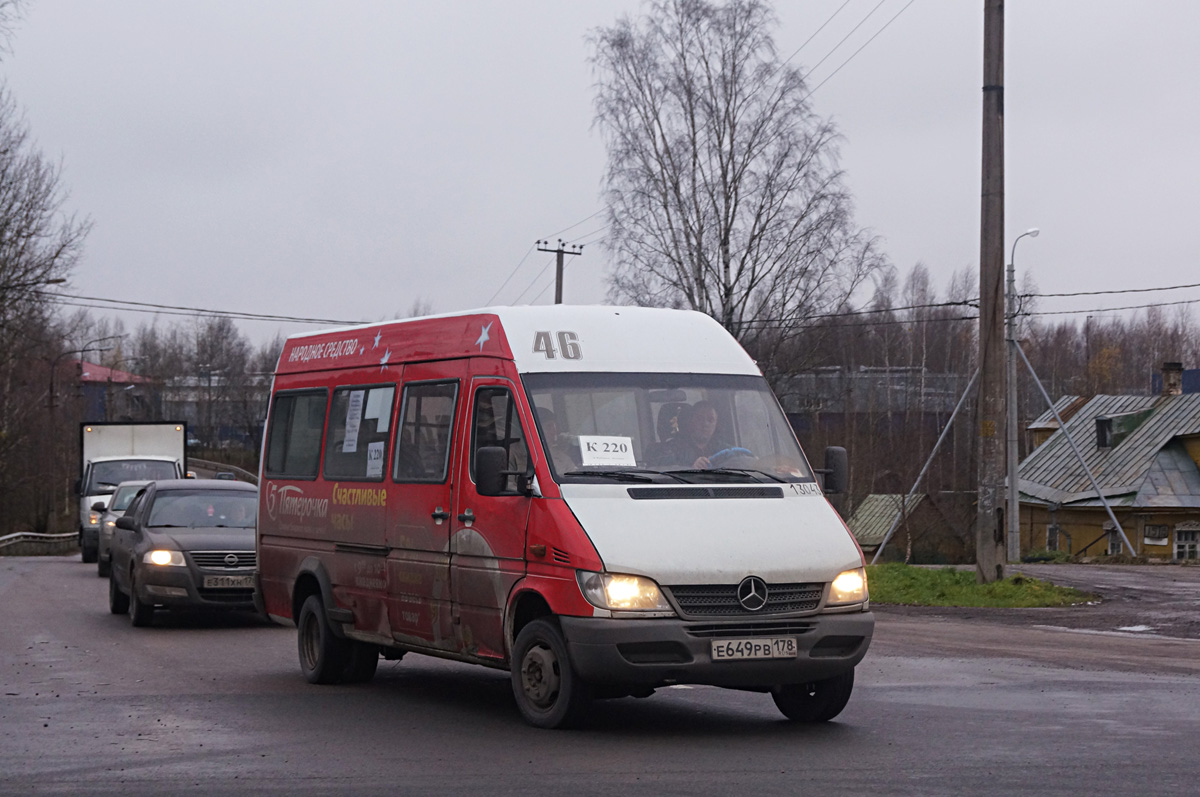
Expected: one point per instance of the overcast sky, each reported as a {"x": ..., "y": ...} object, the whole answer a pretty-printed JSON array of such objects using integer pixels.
[{"x": 344, "y": 159}]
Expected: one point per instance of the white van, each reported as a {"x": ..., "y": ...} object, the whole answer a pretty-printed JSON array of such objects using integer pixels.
[{"x": 601, "y": 500}]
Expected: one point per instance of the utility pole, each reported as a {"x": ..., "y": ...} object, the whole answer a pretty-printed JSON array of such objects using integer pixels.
[
  {"x": 576, "y": 249},
  {"x": 990, "y": 548}
]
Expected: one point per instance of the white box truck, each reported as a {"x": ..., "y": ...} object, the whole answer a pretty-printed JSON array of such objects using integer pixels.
[{"x": 111, "y": 453}]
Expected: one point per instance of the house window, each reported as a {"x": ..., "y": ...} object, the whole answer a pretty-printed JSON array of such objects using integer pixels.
[
  {"x": 1115, "y": 546},
  {"x": 1052, "y": 537},
  {"x": 1187, "y": 544},
  {"x": 1155, "y": 534}
]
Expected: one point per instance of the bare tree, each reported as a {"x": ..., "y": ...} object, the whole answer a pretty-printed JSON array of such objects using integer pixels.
[
  {"x": 723, "y": 188},
  {"x": 39, "y": 245}
]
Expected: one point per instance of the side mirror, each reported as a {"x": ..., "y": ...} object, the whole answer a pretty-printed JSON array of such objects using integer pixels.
[
  {"x": 491, "y": 462},
  {"x": 126, "y": 523},
  {"x": 99, "y": 506},
  {"x": 837, "y": 470}
]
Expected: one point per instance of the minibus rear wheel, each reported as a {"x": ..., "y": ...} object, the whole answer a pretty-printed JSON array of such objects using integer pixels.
[
  {"x": 817, "y": 701},
  {"x": 549, "y": 693},
  {"x": 323, "y": 655}
]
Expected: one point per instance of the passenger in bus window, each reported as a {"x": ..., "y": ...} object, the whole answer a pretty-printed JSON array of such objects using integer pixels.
[{"x": 562, "y": 455}]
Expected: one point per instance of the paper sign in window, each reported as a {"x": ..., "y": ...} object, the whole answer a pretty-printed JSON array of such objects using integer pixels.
[
  {"x": 353, "y": 418},
  {"x": 607, "y": 451},
  {"x": 375, "y": 459},
  {"x": 379, "y": 408}
]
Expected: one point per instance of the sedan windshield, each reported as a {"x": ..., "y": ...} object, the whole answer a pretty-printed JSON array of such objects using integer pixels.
[
  {"x": 664, "y": 427},
  {"x": 123, "y": 497},
  {"x": 207, "y": 509},
  {"x": 107, "y": 475}
]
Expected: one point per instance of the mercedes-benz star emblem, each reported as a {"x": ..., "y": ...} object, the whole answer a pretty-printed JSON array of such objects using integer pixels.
[
  {"x": 752, "y": 593},
  {"x": 231, "y": 559}
]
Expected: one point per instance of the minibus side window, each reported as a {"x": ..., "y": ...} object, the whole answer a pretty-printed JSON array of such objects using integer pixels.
[
  {"x": 356, "y": 443},
  {"x": 426, "y": 424},
  {"x": 294, "y": 441},
  {"x": 495, "y": 423}
]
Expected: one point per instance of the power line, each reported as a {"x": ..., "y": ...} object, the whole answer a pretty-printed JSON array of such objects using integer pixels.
[
  {"x": 1113, "y": 309},
  {"x": 861, "y": 22},
  {"x": 549, "y": 263},
  {"x": 1102, "y": 293},
  {"x": 860, "y": 49},
  {"x": 517, "y": 267},
  {"x": 511, "y": 274},
  {"x": 169, "y": 309},
  {"x": 814, "y": 35},
  {"x": 576, "y": 224}
]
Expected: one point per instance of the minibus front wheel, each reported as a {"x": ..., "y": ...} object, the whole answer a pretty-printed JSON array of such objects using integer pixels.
[
  {"x": 549, "y": 693},
  {"x": 817, "y": 701}
]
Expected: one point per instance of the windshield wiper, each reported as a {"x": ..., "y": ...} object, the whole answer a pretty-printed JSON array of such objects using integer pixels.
[
  {"x": 629, "y": 475},
  {"x": 725, "y": 472}
]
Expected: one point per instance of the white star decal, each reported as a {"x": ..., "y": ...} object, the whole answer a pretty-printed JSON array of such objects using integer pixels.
[
  {"x": 362, "y": 349},
  {"x": 378, "y": 335},
  {"x": 383, "y": 361},
  {"x": 484, "y": 337}
]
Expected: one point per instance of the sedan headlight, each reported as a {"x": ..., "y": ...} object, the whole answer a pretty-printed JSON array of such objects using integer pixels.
[
  {"x": 622, "y": 593},
  {"x": 850, "y": 586},
  {"x": 163, "y": 558}
]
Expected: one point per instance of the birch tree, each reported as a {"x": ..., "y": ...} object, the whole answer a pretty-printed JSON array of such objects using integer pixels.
[{"x": 723, "y": 189}]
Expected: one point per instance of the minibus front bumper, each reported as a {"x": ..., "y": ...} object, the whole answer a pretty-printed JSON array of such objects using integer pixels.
[{"x": 659, "y": 652}]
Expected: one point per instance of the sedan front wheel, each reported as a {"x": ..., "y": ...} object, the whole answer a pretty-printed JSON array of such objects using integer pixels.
[
  {"x": 118, "y": 602},
  {"x": 140, "y": 614}
]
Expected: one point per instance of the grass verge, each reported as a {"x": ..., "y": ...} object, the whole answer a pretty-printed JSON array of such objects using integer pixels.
[{"x": 919, "y": 586}]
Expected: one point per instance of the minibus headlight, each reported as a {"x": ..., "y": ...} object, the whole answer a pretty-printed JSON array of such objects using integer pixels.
[
  {"x": 622, "y": 593},
  {"x": 163, "y": 557},
  {"x": 850, "y": 586},
  {"x": 93, "y": 519}
]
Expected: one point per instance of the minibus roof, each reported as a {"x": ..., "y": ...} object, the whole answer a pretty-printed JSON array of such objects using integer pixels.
[{"x": 538, "y": 339}]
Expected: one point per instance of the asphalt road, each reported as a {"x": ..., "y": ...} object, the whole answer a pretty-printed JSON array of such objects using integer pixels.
[{"x": 944, "y": 704}]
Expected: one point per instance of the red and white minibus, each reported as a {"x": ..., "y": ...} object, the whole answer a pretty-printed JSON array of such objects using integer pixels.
[{"x": 601, "y": 500}]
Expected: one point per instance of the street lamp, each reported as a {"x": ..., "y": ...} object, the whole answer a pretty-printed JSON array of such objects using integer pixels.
[{"x": 1014, "y": 494}]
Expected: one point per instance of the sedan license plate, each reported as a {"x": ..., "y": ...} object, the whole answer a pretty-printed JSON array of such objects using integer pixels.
[
  {"x": 783, "y": 647},
  {"x": 228, "y": 582}
]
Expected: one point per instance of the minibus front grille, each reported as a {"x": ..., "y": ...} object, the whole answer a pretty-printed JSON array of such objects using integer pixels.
[
  {"x": 748, "y": 629},
  {"x": 720, "y": 600}
]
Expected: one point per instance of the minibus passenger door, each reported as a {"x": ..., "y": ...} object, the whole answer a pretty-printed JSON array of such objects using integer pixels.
[
  {"x": 421, "y": 501},
  {"x": 487, "y": 547}
]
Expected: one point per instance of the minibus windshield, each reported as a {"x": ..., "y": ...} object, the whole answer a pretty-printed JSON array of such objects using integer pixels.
[{"x": 694, "y": 428}]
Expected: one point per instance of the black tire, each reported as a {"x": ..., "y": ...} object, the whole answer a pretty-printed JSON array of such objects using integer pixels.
[
  {"x": 818, "y": 701},
  {"x": 118, "y": 602},
  {"x": 549, "y": 693},
  {"x": 323, "y": 655},
  {"x": 140, "y": 614},
  {"x": 362, "y": 663},
  {"x": 90, "y": 553},
  {"x": 103, "y": 567}
]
